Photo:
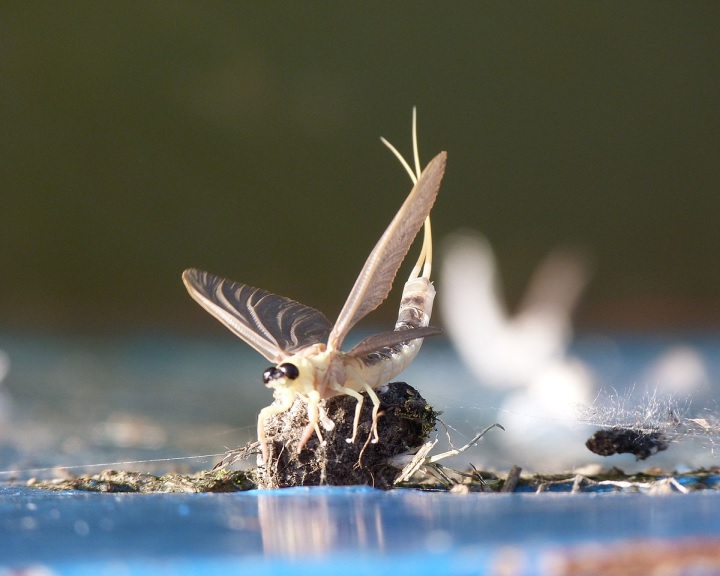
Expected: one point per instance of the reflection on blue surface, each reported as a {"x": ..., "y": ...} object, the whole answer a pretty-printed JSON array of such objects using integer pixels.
[
  {"x": 62, "y": 400},
  {"x": 323, "y": 529}
]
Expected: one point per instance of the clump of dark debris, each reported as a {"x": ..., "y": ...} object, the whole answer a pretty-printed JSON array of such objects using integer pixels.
[
  {"x": 623, "y": 440},
  {"x": 405, "y": 423}
]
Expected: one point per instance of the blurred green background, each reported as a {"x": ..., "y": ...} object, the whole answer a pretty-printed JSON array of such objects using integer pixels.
[{"x": 141, "y": 138}]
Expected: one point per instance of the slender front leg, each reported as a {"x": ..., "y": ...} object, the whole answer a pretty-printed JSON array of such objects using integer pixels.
[{"x": 266, "y": 413}]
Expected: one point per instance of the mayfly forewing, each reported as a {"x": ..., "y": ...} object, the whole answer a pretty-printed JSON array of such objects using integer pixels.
[
  {"x": 375, "y": 280},
  {"x": 275, "y": 326}
]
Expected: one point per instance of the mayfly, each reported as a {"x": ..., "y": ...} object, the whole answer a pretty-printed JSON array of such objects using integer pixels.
[{"x": 306, "y": 349}]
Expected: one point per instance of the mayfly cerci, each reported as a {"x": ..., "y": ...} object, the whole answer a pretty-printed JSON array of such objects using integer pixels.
[{"x": 306, "y": 349}]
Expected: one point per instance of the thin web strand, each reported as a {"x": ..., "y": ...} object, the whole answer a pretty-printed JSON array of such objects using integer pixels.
[{"x": 103, "y": 465}]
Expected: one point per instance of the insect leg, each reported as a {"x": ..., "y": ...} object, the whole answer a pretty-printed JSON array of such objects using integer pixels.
[
  {"x": 358, "y": 407},
  {"x": 313, "y": 399},
  {"x": 266, "y": 413},
  {"x": 376, "y": 407}
]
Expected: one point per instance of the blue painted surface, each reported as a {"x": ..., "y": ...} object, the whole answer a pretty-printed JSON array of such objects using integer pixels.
[
  {"x": 328, "y": 530},
  {"x": 59, "y": 398}
]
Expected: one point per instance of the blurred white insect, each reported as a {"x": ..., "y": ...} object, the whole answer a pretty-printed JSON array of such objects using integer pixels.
[
  {"x": 503, "y": 350},
  {"x": 5, "y": 400},
  {"x": 526, "y": 353},
  {"x": 306, "y": 348}
]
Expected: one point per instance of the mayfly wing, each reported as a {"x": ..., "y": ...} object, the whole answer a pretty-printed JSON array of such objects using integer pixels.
[
  {"x": 275, "y": 326},
  {"x": 376, "y": 342},
  {"x": 375, "y": 280}
]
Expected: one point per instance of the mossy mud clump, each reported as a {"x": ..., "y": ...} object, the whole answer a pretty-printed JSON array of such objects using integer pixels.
[{"x": 404, "y": 424}]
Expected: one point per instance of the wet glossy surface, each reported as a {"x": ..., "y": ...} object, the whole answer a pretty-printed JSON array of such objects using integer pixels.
[
  {"x": 128, "y": 404},
  {"x": 320, "y": 529}
]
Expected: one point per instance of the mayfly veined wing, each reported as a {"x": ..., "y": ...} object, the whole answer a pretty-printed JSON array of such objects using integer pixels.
[{"x": 306, "y": 348}]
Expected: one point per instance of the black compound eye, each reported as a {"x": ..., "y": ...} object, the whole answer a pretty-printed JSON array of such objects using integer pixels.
[
  {"x": 290, "y": 370},
  {"x": 272, "y": 373}
]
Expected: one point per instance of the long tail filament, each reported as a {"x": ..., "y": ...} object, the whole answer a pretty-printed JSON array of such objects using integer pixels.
[{"x": 424, "y": 261}]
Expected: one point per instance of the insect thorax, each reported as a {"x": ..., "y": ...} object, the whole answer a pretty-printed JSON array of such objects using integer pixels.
[{"x": 300, "y": 373}]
